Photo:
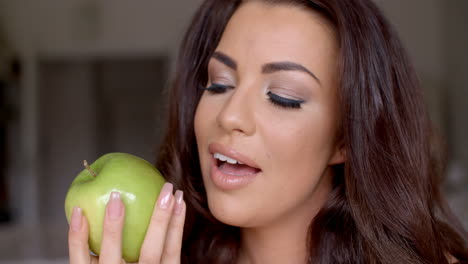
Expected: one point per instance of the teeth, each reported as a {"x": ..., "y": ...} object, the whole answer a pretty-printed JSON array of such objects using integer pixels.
[{"x": 225, "y": 158}]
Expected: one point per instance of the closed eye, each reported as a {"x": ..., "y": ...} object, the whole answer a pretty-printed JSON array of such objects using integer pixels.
[
  {"x": 284, "y": 102},
  {"x": 216, "y": 88}
]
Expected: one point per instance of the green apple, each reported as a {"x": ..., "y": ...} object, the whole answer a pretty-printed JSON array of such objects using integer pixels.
[{"x": 138, "y": 183}]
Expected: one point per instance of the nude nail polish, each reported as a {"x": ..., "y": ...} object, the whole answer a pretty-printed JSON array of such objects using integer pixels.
[
  {"x": 179, "y": 197},
  {"x": 165, "y": 196},
  {"x": 115, "y": 206},
  {"x": 76, "y": 219}
]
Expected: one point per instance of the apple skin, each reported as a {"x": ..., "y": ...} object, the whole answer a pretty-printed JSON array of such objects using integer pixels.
[{"x": 139, "y": 185}]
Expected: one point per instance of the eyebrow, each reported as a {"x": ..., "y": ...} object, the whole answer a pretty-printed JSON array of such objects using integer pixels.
[
  {"x": 266, "y": 68},
  {"x": 225, "y": 59},
  {"x": 286, "y": 66}
]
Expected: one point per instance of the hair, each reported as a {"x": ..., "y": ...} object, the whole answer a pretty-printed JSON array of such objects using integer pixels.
[{"x": 385, "y": 205}]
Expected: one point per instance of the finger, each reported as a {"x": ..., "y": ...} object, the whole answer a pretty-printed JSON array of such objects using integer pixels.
[
  {"x": 151, "y": 250},
  {"x": 94, "y": 260},
  {"x": 78, "y": 238},
  {"x": 173, "y": 245},
  {"x": 111, "y": 247}
]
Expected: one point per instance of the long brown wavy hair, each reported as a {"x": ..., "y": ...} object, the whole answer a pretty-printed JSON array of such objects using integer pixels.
[{"x": 385, "y": 206}]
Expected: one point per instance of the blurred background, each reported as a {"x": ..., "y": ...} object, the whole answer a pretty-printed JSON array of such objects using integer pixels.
[{"x": 81, "y": 78}]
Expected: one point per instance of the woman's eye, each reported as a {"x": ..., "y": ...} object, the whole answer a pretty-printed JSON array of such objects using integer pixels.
[
  {"x": 217, "y": 88},
  {"x": 284, "y": 102}
]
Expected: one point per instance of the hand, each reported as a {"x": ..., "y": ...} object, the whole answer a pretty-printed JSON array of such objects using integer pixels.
[{"x": 162, "y": 243}]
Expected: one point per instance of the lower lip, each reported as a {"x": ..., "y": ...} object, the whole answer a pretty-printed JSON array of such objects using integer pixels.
[{"x": 229, "y": 182}]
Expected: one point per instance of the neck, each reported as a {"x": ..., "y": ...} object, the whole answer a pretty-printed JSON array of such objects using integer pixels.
[
  {"x": 286, "y": 240},
  {"x": 275, "y": 245}
]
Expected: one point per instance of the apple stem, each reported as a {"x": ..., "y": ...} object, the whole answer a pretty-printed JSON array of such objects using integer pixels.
[{"x": 85, "y": 163}]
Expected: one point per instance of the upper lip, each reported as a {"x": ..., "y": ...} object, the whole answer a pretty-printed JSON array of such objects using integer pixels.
[{"x": 232, "y": 153}]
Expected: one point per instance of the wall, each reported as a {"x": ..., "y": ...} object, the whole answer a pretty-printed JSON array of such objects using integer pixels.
[
  {"x": 456, "y": 87},
  {"x": 86, "y": 28},
  {"x": 81, "y": 26}
]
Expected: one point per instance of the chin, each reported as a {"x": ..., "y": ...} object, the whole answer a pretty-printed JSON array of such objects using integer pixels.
[{"x": 231, "y": 211}]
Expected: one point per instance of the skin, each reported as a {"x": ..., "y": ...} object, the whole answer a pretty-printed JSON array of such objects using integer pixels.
[
  {"x": 295, "y": 148},
  {"x": 162, "y": 243}
]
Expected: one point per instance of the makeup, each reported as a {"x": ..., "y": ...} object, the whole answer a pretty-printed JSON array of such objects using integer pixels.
[
  {"x": 230, "y": 178},
  {"x": 230, "y": 169}
]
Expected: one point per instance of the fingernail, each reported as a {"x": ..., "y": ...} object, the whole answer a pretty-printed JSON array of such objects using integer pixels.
[
  {"x": 76, "y": 219},
  {"x": 179, "y": 197},
  {"x": 115, "y": 206},
  {"x": 165, "y": 196}
]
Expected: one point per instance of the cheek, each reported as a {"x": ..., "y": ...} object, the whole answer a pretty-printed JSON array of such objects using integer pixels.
[
  {"x": 204, "y": 122},
  {"x": 206, "y": 113},
  {"x": 201, "y": 120},
  {"x": 299, "y": 147},
  {"x": 199, "y": 128},
  {"x": 304, "y": 140},
  {"x": 197, "y": 122},
  {"x": 298, "y": 156}
]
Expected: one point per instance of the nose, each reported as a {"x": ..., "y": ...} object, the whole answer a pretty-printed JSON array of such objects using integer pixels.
[{"x": 237, "y": 115}]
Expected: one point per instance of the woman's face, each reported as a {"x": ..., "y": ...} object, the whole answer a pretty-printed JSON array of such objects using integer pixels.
[{"x": 271, "y": 104}]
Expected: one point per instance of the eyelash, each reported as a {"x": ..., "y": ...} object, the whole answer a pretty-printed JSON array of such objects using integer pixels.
[
  {"x": 275, "y": 99},
  {"x": 217, "y": 88}
]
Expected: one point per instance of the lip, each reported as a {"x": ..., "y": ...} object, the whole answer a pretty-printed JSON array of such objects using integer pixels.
[
  {"x": 225, "y": 181},
  {"x": 232, "y": 153},
  {"x": 229, "y": 182}
]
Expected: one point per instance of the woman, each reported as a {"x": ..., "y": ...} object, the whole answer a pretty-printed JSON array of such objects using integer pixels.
[{"x": 298, "y": 134}]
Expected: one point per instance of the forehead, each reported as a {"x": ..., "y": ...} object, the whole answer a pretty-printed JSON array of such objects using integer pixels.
[{"x": 277, "y": 32}]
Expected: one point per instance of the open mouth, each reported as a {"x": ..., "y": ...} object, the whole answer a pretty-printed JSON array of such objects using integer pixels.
[
  {"x": 236, "y": 169},
  {"x": 231, "y": 170}
]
